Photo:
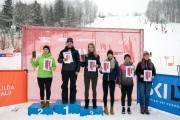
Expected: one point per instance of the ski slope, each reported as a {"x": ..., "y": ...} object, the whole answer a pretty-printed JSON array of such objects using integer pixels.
[{"x": 160, "y": 44}]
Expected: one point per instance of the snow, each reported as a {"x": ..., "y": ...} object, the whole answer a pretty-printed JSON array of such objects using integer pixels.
[
  {"x": 160, "y": 44},
  {"x": 6, "y": 113}
]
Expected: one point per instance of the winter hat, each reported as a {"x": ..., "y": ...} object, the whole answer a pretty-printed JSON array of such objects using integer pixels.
[
  {"x": 47, "y": 47},
  {"x": 127, "y": 55},
  {"x": 146, "y": 53},
  {"x": 69, "y": 40},
  {"x": 110, "y": 52}
]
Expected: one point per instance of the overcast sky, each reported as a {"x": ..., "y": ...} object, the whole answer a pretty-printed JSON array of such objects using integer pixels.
[{"x": 109, "y": 6}]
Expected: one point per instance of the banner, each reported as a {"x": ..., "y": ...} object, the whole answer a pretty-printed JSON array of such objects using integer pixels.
[
  {"x": 13, "y": 87},
  {"x": 165, "y": 94},
  {"x": 121, "y": 41}
]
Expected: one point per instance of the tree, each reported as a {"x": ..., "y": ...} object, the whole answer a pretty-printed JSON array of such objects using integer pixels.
[
  {"x": 7, "y": 13},
  {"x": 59, "y": 12},
  {"x": 37, "y": 18}
]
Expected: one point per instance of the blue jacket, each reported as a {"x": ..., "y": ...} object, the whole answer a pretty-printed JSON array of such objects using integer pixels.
[{"x": 113, "y": 75}]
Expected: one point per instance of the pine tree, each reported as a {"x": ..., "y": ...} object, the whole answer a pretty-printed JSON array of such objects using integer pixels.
[
  {"x": 59, "y": 12},
  {"x": 7, "y": 13},
  {"x": 37, "y": 14}
]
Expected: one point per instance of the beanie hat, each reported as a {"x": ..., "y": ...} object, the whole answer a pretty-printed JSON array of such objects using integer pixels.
[
  {"x": 69, "y": 40},
  {"x": 110, "y": 52},
  {"x": 146, "y": 53}
]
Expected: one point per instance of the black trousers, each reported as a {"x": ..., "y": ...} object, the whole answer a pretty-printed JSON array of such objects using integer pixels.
[
  {"x": 66, "y": 75},
  {"x": 126, "y": 90},
  {"x": 87, "y": 81},
  {"x": 45, "y": 82},
  {"x": 111, "y": 85}
]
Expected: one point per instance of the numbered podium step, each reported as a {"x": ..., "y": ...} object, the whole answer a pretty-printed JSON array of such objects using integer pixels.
[
  {"x": 35, "y": 108},
  {"x": 91, "y": 111},
  {"x": 65, "y": 109}
]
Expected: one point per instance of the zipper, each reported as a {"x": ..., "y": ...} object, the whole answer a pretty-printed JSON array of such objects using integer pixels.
[{"x": 108, "y": 76}]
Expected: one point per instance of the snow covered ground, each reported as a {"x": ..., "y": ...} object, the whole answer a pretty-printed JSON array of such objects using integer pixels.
[{"x": 6, "y": 113}]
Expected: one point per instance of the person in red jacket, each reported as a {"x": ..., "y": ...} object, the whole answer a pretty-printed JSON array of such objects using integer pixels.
[{"x": 126, "y": 83}]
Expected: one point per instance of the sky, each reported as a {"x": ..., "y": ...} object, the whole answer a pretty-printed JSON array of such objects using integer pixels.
[{"x": 110, "y": 6}]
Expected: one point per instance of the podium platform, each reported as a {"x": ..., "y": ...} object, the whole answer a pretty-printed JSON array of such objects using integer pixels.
[
  {"x": 91, "y": 111},
  {"x": 35, "y": 108},
  {"x": 65, "y": 109}
]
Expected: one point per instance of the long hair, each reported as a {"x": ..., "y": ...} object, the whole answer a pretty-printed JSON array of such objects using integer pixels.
[
  {"x": 94, "y": 51},
  {"x": 150, "y": 64}
]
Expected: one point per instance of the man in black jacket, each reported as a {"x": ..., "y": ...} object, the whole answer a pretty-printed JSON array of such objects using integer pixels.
[{"x": 69, "y": 71}]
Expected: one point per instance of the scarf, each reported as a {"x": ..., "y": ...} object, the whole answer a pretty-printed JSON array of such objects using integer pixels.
[{"x": 112, "y": 63}]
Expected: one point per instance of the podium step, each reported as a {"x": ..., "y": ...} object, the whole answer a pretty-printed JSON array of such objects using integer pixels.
[
  {"x": 35, "y": 108},
  {"x": 65, "y": 109},
  {"x": 91, "y": 111}
]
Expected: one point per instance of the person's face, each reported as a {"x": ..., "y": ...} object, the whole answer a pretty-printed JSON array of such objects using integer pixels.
[
  {"x": 127, "y": 59},
  {"x": 91, "y": 48},
  {"x": 69, "y": 44},
  {"x": 45, "y": 51},
  {"x": 110, "y": 56},
  {"x": 146, "y": 57}
]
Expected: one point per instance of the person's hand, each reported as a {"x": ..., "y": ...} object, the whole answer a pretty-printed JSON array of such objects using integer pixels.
[
  {"x": 119, "y": 85},
  {"x": 50, "y": 68},
  {"x": 100, "y": 69},
  {"x": 142, "y": 76},
  {"x": 152, "y": 77},
  {"x": 97, "y": 66},
  {"x": 31, "y": 59},
  {"x": 134, "y": 68},
  {"x": 77, "y": 73},
  {"x": 64, "y": 59}
]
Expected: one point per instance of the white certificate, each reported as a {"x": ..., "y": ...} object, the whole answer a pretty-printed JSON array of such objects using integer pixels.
[
  {"x": 92, "y": 65},
  {"x": 106, "y": 67},
  {"x": 47, "y": 64},
  {"x": 148, "y": 75},
  {"x": 129, "y": 71},
  {"x": 68, "y": 57}
]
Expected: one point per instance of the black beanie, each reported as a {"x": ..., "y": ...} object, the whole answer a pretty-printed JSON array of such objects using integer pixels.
[
  {"x": 47, "y": 47},
  {"x": 110, "y": 52},
  {"x": 127, "y": 55},
  {"x": 69, "y": 40}
]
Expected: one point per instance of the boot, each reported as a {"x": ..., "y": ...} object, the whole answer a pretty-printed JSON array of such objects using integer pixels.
[
  {"x": 123, "y": 110},
  {"x": 112, "y": 111},
  {"x": 146, "y": 110},
  {"x": 94, "y": 104},
  {"x": 142, "y": 109},
  {"x": 106, "y": 111},
  {"x": 86, "y": 104},
  {"x": 129, "y": 110},
  {"x": 47, "y": 104},
  {"x": 64, "y": 102},
  {"x": 42, "y": 104}
]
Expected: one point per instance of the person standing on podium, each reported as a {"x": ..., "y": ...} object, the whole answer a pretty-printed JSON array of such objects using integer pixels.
[
  {"x": 70, "y": 60},
  {"x": 91, "y": 76},
  {"x": 47, "y": 65},
  {"x": 109, "y": 81}
]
